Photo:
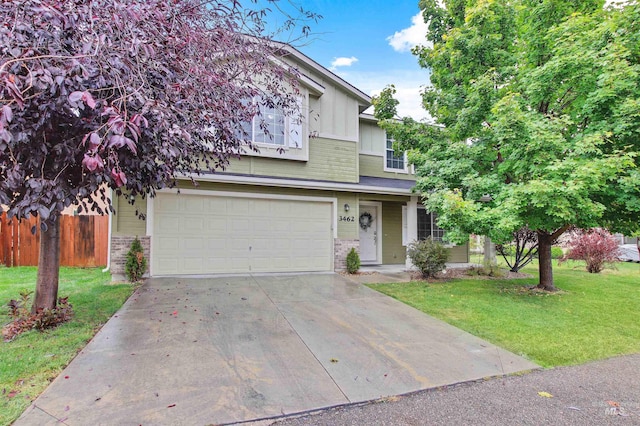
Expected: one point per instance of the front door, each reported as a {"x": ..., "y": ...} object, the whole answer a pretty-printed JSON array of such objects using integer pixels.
[{"x": 369, "y": 225}]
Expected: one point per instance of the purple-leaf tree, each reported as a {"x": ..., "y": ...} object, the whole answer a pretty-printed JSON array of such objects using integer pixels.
[{"x": 128, "y": 95}]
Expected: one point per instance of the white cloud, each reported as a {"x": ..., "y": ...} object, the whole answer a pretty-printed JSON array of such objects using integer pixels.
[
  {"x": 408, "y": 85},
  {"x": 404, "y": 40},
  {"x": 343, "y": 62}
]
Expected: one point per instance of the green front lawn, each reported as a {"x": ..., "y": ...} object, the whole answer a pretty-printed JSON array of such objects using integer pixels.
[
  {"x": 33, "y": 359},
  {"x": 595, "y": 316}
]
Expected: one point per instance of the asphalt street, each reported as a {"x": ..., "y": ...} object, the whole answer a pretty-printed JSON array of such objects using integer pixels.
[{"x": 599, "y": 393}]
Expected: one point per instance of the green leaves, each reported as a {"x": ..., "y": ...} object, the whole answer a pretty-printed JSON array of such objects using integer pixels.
[
  {"x": 539, "y": 102},
  {"x": 384, "y": 104},
  {"x": 540, "y": 106}
]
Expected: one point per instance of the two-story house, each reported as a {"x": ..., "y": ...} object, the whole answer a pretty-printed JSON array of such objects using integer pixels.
[{"x": 337, "y": 185}]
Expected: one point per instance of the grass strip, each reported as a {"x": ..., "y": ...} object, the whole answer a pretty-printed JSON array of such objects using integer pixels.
[
  {"x": 594, "y": 316},
  {"x": 32, "y": 360}
]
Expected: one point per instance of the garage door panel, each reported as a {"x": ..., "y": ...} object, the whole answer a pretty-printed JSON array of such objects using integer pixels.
[
  {"x": 279, "y": 245},
  {"x": 239, "y": 226},
  {"x": 167, "y": 243},
  {"x": 240, "y": 264},
  {"x": 263, "y": 244},
  {"x": 194, "y": 265},
  {"x": 167, "y": 203},
  {"x": 166, "y": 265},
  {"x": 239, "y": 207},
  {"x": 193, "y": 204},
  {"x": 218, "y": 225},
  {"x": 217, "y": 246},
  {"x": 194, "y": 243},
  {"x": 261, "y": 224},
  {"x": 200, "y": 234},
  {"x": 216, "y": 205},
  {"x": 193, "y": 224},
  {"x": 168, "y": 223},
  {"x": 280, "y": 225}
]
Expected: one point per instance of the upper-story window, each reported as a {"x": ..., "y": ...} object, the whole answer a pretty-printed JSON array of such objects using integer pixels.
[
  {"x": 394, "y": 161},
  {"x": 272, "y": 128}
]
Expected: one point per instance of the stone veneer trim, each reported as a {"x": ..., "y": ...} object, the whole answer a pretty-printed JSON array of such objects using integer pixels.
[
  {"x": 341, "y": 247},
  {"x": 120, "y": 245}
]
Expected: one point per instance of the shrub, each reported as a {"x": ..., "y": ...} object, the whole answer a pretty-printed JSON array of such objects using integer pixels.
[
  {"x": 556, "y": 252},
  {"x": 521, "y": 251},
  {"x": 23, "y": 320},
  {"x": 595, "y": 246},
  {"x": 353, "y": 261},
  {"x": 136, "y": 264},
  {"x": 430, "y": 257},
  {"x": 506, "y": 249},
  {"x": 487, "y": 270}
]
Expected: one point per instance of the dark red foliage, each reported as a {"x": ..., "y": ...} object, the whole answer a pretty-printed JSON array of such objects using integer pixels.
[
  {"x": 595, "y": 246},
  {"x": 127, "y": 93},
  {"x": 23, "y": 320}
]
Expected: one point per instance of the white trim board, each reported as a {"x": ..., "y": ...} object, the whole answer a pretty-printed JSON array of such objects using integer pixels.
[{"x": 292, "y": 183}]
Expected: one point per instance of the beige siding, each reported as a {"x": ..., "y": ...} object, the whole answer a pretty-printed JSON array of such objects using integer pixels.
[
  {"x": 328, "y": 160},
  {"x": 335, "y": 113},
  {"x": 125, "y": 221},
  {"x": 459, "y": 254},
  {"x": 348, "y": 229},
  {"x": 315, "y": 123},
  {"x": 240, "y": 165},
  {"x": 393, "y": 252},
  {"x": 372, "y": 165},
  {"x": 372, "y": 138}
]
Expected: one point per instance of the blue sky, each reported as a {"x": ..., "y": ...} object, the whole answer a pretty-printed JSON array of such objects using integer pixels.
[{"x": 368, "y": 44}]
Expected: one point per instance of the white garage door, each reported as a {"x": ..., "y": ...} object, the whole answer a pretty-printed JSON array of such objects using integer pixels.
[{"x": 202, "y": 234}]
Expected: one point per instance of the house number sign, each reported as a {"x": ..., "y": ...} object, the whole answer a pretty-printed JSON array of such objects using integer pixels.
[{"x": 347, "y": 219}]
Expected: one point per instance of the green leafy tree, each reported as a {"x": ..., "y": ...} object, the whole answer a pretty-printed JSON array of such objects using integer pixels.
[{"x": 537, "y": 109}]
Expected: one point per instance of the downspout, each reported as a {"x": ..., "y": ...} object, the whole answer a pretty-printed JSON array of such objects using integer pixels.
[{"x": 109, "y": 234}]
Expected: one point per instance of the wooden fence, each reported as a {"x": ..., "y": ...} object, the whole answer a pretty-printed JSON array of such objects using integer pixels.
[{"x": 83, "y": 241}]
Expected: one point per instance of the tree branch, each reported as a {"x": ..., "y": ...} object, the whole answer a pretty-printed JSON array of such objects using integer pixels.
[{"x": 559, "y": 232}]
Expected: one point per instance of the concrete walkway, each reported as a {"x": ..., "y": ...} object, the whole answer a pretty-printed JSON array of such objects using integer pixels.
[{"x": 234, "y": 349}]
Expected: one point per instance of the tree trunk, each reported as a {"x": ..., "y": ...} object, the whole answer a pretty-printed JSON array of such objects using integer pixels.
[
  {"x": 545, "y": 267},
  {"x": 48, "y": 268},
  {"x": 489, "y": 252}
]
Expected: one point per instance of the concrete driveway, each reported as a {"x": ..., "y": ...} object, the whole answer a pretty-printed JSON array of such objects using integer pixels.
[{"x": 233, "y": 349}]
